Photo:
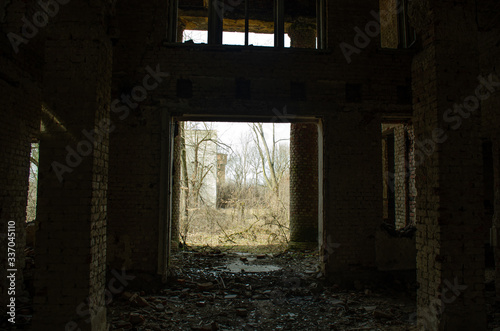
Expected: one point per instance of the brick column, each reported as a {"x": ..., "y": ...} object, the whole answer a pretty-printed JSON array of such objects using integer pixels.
[
  {"x": 450, "y": 259},
  {"x": 490, "y": 65},
  {"x": 176, "y": 190},
  {"x": 70, "y": 273},
  {"x": 303, "y": 185},
  {"x": 352, "y": 195},
  {"x": 302, "y": 35},
  {"x": 20, "y": 107},
  {"x": 21, "y": 112},
  {"x": 303, "y": 162}
]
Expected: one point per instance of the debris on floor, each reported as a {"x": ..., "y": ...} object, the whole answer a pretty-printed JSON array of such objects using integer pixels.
[{"x": 217, "y": 290}]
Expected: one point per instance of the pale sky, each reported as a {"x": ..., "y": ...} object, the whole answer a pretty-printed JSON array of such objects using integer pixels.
[
  {"x": 230, "y": 133},
  {"x": 234, "y": 38}
]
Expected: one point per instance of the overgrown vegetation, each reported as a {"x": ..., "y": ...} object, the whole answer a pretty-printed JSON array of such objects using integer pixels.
[
  {"x": 33, "y": 183},
  {"x": 252, "y": 206}
]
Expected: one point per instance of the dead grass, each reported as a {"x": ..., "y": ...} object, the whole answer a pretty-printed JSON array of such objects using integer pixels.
[{"x": 239, "y": 226}]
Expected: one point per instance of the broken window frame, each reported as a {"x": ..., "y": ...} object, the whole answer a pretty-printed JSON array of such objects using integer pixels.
[
  {"x": 215, "y": 22},
  {"x": 407, "y": 35}
]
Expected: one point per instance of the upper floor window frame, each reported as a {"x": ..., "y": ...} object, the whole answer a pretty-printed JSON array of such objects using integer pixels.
[{"x": 216, "y": 16}]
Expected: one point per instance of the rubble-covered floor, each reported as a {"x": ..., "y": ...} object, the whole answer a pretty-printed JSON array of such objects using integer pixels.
[
  {"x": 282, "y": 291},
  {"x": 212, "y": 290}
]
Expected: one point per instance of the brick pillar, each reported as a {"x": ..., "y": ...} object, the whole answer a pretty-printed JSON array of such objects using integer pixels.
[
  {"x": 303, "y": 162},
  {"x": 450, "y": 258},
  {"x": 20, "y": 107},
  {"x": 70, "y": 273},
  {"x": 176, "y": 190},
  {"x": 303, "y": 185},
  {"x": 495, "y": 229},
  {"x": 410, "y": 175},
  {"x": 404, "y": 175},
  {"x": 21, "y": 112},
  {"x": 302, "y": 35},
  {"x": 490, "y": 65},
  {"x": 352, "y": 195}
]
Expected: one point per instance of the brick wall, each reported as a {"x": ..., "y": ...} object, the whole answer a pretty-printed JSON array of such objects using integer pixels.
[
  {"x": 350, "y": 99},
  {"x": 389, "y": 22},
  {"x": 400, "y": 175},
  {"x": 71, "y": 216},
  {"x": 449, "y": 181},
  {"x": 176, "y": 190},
  {"x": 328, "y": 83},
  {"x": 135, "y": 145},
  {"x": 400, "y": 182},
  {"x": 134, "y": 186},
  {"x": 352, "y": 194},
  {"x": 404, "y": 182},
  {"x": 21, "y": 108},
  {"x": 20, "y": 105},
  {"x": 411, "y": 208},
  {"x": 489, "y": 64}
]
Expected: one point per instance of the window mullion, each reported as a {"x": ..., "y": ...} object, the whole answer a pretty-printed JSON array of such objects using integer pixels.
[{"x": 279, "y": 23}]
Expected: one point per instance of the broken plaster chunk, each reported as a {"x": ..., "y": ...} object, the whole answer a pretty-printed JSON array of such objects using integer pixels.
[
  {"x": 138, "y": 301},
  {"x": 205, "y": 286}
]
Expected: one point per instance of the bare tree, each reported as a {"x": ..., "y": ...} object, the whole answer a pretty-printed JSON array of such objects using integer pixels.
[
  {"x": 199, "y": 147},
  {"x": 273, "y": 158},
  {"x": 240, "y": 161},
  {"x": 255, "y": 193}
]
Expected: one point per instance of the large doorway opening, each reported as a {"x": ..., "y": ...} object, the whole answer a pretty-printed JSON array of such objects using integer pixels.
[
  {"x": 246, "y": 183},
  {"x": 231, "y": 184}
]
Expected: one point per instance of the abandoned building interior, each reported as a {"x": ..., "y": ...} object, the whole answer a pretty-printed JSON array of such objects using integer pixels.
[{"x": 394, "y": 108}]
